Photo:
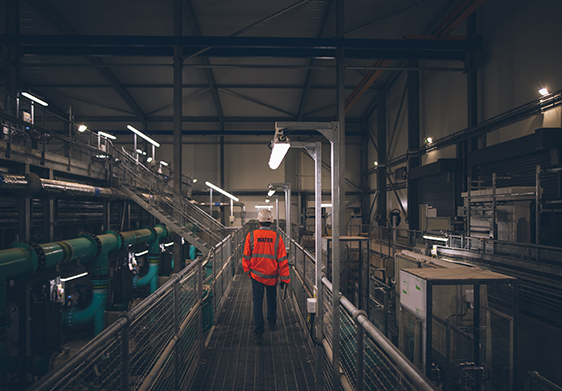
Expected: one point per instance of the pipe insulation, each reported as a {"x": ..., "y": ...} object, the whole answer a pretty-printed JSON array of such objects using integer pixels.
[{"x": 32, "y": 184}]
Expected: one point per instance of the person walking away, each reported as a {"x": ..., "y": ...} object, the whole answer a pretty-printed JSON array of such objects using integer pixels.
[{"x": 265, "y": 262}]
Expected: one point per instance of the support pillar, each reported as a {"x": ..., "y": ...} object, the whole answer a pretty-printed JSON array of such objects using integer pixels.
[
  {"x": 178, "y": 80},
  {"x": 413, "y": 143},
  {"x": 381, "y": 171}
]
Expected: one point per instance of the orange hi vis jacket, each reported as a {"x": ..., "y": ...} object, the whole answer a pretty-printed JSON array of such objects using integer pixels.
[{"x": 265, "y": 258}]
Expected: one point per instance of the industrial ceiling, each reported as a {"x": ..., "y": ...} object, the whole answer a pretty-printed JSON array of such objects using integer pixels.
[{"x": 246, "y": 64}]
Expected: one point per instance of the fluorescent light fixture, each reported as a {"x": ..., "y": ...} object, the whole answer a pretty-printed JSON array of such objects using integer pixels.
[
  {"x": 143, "y": 136},
  {"x": 82, "y": 128},
  {"x": 139, "y": 151},
  {"x": 73, "y": 277},
  {"x": 102, "y": 156},
  {"x": 107, "y": 135},
  {"x": 149, "y": 159},
  {"x": 194, "y": 180},
  {"x": 141, "y": 253},
  {"x": 162, "y": 162},
  {"x": 437, "y": 238},
  {"x": 543, "y": 91},
  {"x": 264, "y": 206},
  {"x": 169, "y": 244},
  {"x": 271, "y": 192},
  {"x": 278, "y": 154},
  {"x": 326, "y": 205},
  {"x": 222, "y": 191},
  {"x": 35, "y": 99}
]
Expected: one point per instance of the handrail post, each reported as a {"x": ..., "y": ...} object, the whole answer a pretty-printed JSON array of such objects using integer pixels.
[
  {"x": 176, "y": 332},
  {"x": 360, "y": 386},
  {"x": 125, "y": 354}
]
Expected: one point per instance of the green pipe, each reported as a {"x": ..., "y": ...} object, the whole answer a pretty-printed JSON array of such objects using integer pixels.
[
  {"x": 154, "y": 259},
  {"x": 95, "y": 311}
]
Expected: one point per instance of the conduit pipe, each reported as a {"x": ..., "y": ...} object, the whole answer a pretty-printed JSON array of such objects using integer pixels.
[{"x": 32, "y": 184}]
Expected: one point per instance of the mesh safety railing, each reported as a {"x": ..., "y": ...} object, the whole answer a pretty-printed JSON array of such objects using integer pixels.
[
  {"x": 368, "y": 360},
  {"x": 158, "y": 344}
]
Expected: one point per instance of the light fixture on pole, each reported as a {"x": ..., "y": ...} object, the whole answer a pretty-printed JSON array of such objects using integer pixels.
[
  {"x": 107, "y": 135},
  {"x": 287, "y": 189},
  {"x": 279, "y": 147},
  {"x": 232, "y": 198},
  {"x": 144, "y": 136},
  {"x": 35, "y": 99},
  {"x": 543, "y": 91},
  {"x": 82, "y": 128},
  {"x": 330, "y": 130}
]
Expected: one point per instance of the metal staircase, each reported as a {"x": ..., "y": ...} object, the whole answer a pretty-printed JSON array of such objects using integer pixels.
[{"x": 151, "y": 192}]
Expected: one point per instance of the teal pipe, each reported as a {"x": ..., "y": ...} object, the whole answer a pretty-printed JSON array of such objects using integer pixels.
[
  {"x": 95, "y": 311},
  {"x": 154, "y": 259}
]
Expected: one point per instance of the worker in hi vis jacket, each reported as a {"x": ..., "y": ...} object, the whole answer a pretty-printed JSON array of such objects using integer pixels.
[{"x": 265, "y": 262}]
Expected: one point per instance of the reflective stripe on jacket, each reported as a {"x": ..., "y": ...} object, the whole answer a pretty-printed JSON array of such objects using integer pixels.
[{"x": 265, "y": 258}]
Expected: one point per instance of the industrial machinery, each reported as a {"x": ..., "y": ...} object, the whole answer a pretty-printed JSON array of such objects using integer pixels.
[{"x": 459, "y": 326}]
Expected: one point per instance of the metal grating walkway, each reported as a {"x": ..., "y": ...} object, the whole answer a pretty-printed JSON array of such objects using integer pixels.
[{"x": 232, "y": 361}]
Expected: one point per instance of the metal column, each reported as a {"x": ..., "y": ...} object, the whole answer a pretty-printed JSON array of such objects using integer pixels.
[
  {"x": 381, "y": 171},
  {"x": 318, "y": 254},
  {"x": 413, "y": 142},
  {"x": 178, "y": 67}
]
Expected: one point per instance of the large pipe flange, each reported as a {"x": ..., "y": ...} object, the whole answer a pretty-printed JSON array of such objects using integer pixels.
[
  {"x": 39, "y": 253},
  {"x": 95, "y": 239},
  {"x": 120, "y": 237}
]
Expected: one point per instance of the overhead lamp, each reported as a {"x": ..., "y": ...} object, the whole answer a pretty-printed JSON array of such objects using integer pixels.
[
  {"x": 264, "y": 206},
  {"x": 267, "y": 200},
  {"x": 162, "y": 162},
  {"x": 139, "y": 151},
  {"x": 279, "y": 147},
  {"x": 543, "y": 91},
  {"x": 138, "y": 132},
  {"x": 35, "y": 99},
  {"x": 326, "y": 205},
  {"x": 149, "y": 159},
  {"x": 222, "y": 191},
  {"x": 437, "y": 238},
  {"x": 376, "y": 163},
  {"x": 82, "y": 128},
  {"x": 107, "y": 135},
  {"x": 73, "y": 277},
  {"x": 428, "y": 140},
  {"x": 194, "y": 180},
  {"x": 271, "y": 192}
]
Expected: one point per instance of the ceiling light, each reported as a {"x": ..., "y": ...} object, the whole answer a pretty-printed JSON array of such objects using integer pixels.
[
  {"x": 149, "y": 159},
  {"x": 139, "y": 151},
  {"x": 428, "y": 140},
  {"x": 278, "y": 152},
  {"x": 376, "y": 163},
  {"x": 543, "y": 91},
  {"x": 107, "y": 135},
  {"x": 326, "y": 205},
  {"x": 73, "y": 277},
  {"x": 162, "y": 162},
  {"x": 271, "y": 192},
  {"x": 267, "y": 200},
  {"x": 82, "y": 128},
  {"x": 264, "y": 206},
  {"x": 35, "y": 99},
  {"x": 194, "y": 180},
  {"x": 222, "y": 191},
  {"x": 437, "y": 238},
  {"x": 138, "y": 132}
]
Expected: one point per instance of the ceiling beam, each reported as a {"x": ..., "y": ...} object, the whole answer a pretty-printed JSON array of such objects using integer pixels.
[{"x": 53, "y": 17}]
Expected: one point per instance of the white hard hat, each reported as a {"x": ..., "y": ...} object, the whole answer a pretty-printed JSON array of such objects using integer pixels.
[{"x": 265, "y": 216}]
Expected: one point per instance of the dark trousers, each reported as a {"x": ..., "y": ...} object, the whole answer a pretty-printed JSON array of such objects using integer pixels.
[{"x": 257, "y": 293}]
